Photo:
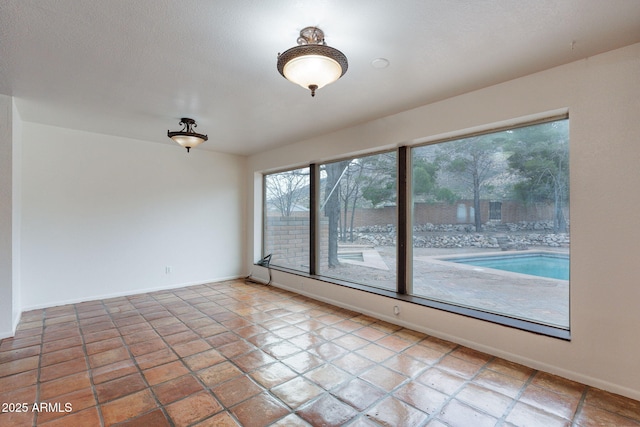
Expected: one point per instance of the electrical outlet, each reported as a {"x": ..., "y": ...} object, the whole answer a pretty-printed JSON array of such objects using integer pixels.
[
  {"x": 396, "y": 310},
  {"x": 167, "y": 270}
]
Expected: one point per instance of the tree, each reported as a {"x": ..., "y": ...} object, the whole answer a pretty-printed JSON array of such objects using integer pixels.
[
  {"x": 372, "y": 178},
  {"x": 474, "y": 160},
  {"x": 379, "y": 180},
  {"x": 284, "y": 190},
  {"x": 424, "y": 176},
  {"x": 425, "y": 186},
  {"x": 331, "y": 203},
  {"x": 349, "y": 195},
  {"x": 540, "y": 156}
]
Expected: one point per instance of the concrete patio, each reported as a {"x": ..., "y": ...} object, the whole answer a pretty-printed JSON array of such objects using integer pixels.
[{"x": 537, "y": 299}]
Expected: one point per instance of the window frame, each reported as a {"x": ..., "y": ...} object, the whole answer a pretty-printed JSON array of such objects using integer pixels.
[
  {"x": 404, "y": 236},
  {"x": 263, "y": 249},
  {"x": 317, "y": 195}
]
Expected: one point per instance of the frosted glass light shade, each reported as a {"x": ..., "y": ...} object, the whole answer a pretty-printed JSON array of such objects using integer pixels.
[
  {"x": 187, "y": 141},
  {"x": 312, "y": 66},
  {"x": 312, "y": 70}
]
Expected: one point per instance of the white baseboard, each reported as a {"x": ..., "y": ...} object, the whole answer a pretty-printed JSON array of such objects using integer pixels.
[
  {"x": 126, "y": 293},
  {"x": 14, "y": 325},
  {"x": 6, "y": 334},
  {"x": 16, "y": 320}
]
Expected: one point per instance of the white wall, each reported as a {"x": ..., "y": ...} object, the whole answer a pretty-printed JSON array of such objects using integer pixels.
[
  {"x": 6, "y": 216},
  {"x": 16, "y": 208},
  {"x": 105, "y": 216},
  {"x": 602, "y": 95}
]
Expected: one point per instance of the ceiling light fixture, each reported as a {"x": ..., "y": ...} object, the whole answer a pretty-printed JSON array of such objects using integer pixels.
[
  {"x": 380, "y": 63},
  {"x": 312, "y": 64},
  {"x": 187, "y": 137}
]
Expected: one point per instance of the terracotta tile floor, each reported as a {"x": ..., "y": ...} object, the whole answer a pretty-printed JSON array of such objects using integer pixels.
[{"x": 228, "y": 354}]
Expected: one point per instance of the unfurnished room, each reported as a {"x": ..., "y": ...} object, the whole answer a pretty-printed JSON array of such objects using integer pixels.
[{"x": 319, "y": 213}]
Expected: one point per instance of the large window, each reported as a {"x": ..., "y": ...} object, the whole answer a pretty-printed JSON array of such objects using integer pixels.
[
  {"x": 477, "y": 225},
  {"x": 491, "y": 223},
  {"x": 358, "y": 217},
  {"x": 287, "y": 219}
]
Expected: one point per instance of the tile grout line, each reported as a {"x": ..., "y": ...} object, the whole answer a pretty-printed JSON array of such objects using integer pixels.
[
  {"x": 269, "y": 391},
  {"x": 89, "y": 368},
  {"x": 138, "y": 369},
  {"x": 451, "y": 396},
  {"x": 227, "y": 359},
  {"x": 195, "y": 375},
  {"x": 300, "y": 375},
  {"x": 517, "y": 397},
  {"x": 38, "y": 382},
  {"x": 581, "y": 403}
]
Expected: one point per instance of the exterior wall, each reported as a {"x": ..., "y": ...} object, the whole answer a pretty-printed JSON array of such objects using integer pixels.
[
  {"x": 287, "y": 239},
  {"x": 445, "y": 213}
]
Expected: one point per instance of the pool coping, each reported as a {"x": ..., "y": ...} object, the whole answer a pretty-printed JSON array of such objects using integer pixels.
[{"x": 445, "y": 260}]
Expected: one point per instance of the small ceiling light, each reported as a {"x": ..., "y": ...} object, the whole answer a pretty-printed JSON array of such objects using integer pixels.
[
  {"x": 380, "y": 63},
  {"x": 312, "y": 64},
  {"x": 186, "y": 136}
]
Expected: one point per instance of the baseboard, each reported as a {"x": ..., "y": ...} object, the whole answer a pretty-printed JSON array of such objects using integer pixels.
[
  {"x": 516, "y": 358},
  {"x": 16, "y": 320},
  {"x": 6, "y": 334},
  {"x": 14, "y": 325},
  {"x": 127, "y": 293}
]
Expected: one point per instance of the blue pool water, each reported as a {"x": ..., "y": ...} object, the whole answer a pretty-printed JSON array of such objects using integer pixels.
[{"x": 544, "y": 265}]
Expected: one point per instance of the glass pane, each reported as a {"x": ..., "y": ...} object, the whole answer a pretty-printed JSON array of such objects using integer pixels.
[
  {"x": 491, "y": 222},
  {"x": 286, "y": 219},
  {"x": 358, "y": 219}
]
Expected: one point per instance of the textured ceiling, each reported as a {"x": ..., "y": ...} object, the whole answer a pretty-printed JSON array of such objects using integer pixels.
[{"x": 133, "y": 68}]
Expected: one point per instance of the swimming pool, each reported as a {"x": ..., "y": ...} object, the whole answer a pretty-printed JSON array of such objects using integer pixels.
[{"x": 555, "y": 266}]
